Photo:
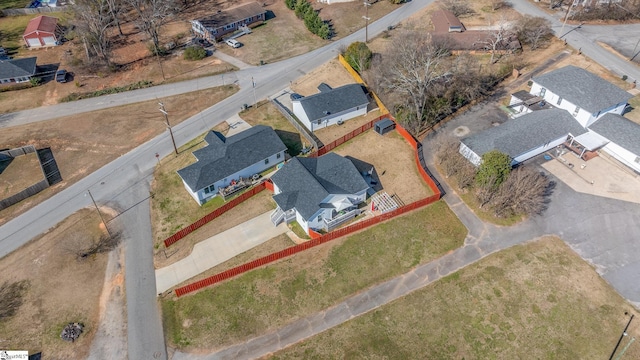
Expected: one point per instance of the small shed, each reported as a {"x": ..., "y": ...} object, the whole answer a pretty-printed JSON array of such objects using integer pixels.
[
  {"x": 384, "y": 126},
  {"x": 41, "y": 31}
]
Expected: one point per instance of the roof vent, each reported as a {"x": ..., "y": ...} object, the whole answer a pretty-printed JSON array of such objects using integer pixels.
[{"x": 326, "y": 112}]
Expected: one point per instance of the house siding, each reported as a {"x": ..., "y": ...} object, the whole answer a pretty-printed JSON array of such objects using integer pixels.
[
  {"x": 624, "y": 156},
  {"x": 539, "y": 150},
  {"x": 201, "y": 197},
  {"x": 329, "y": 120},
  {"x": 217, "y": 33},
  {"x": 470, "y": 155}
]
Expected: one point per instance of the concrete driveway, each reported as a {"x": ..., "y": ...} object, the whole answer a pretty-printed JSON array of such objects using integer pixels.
[{"x": 218, "y": 249}]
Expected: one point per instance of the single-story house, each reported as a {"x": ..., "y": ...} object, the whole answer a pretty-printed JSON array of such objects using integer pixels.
[
  {"x": 41, "y": 31},
  {"x": 319, "y": 193},
  {"x": 583, "y": 94},
  {"x": 444, "y": 21},
  {"x": 215, "y": 26},
  {"x": 223, "y": 161},
  {"x": 331, "y": 106},
  {"x": 524, "y": 137},
  {"x": 17, "y": 70},
  {"x": 622, "y": 138}
]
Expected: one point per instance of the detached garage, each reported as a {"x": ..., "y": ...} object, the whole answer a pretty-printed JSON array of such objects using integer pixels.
[{"x": 41, "y": 31}]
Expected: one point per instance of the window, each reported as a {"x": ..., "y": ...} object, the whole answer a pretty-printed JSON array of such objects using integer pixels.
[
  {"x": 278, "y": 156},
  {"x": 559, "y": 100},
  {"x": 266, "y": 161},
  {"x": 576, "y": 111},
  {"x": 542, "y": 92},
  {"x": 320, "y": 217},
  {"x": 319, "y": 122},
  {"x": 230, "y": 26},
  {"x": 637, "y": 159},
  {"x": 206, "y": 190}
]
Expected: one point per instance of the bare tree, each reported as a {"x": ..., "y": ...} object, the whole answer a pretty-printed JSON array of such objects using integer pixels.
[
  {"x": 151, "y": 15},
  {"x": 94, "y": 18},
  {"x": 458, "y": 7},
  {"x": 452, "y": 162},
  {"x": 486, "y": 190},
  {"x": 497, "y": 38},
  {"x": 522, "y": 193},
  {"x": 102, "y": 244},
  {"x": 115, "y": 7},
  {"x": 533, "y": 30},
  {"x": 411, "y": 66}
]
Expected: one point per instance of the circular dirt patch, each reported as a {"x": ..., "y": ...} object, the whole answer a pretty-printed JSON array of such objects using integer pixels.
[{"x": 461, "y": 131}]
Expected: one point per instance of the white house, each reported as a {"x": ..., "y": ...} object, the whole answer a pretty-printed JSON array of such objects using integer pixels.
[
  {"x": 319, "y": 193},
  {"x": 584, "y": 95},
  {"x": 622, "y": 139},
  {"x": 585, "y": 111},
  {"x": 524, "y": 137},
  {"x": 331, "y": 106},
  {"x": 225, "y": 160}
]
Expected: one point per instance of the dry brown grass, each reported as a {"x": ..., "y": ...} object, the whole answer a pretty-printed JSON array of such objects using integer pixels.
[
  {"x": 331, "y": 73},
  {"x": 83, "y": 143},
  {"x": 393, "y": 160},
  {"x": 62, "y": 289},
  {"x": 22, "y": 172}
]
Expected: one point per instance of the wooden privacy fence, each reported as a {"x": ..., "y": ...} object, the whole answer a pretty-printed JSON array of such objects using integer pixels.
[
  {"x": 358, "y": 79},
  {"x": 343, "y": 139},
  {"x": 29, "y": 11},
  {"x": 214, "y": 214},
  {"x": 311, "y": 138},
  {"x": 302, "y": 247}
]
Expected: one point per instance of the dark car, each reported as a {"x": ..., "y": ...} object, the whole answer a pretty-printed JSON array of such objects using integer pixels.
[{"x": 61, "y": 76}]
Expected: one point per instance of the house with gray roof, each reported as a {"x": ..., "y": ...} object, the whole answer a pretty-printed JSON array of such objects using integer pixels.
[
  {"x": 584, "y": 95},
  {"x": 331, "y": 106},
  {"x": 223, "y": 161},
  {"x": 319, "y": 193},
  {"x": 524, "y": 137},
  {"x": 222, "y": 22},
  {"x": 622, "y": 139},
  {"x": 17, "y": 70}
]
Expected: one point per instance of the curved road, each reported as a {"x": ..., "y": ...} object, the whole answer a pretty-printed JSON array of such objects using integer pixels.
[{"x": 123, "y": 184}]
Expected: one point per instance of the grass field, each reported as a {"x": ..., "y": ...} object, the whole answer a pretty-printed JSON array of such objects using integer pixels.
[
  {"x": 14, "y": 4},
  {"x": 272, "y": 296},
  {"x": 534, "y": 301}
]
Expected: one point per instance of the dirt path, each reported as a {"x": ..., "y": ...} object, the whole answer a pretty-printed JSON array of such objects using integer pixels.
[{"x": 110, "y": 341}]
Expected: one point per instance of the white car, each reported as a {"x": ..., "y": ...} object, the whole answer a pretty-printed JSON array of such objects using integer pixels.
[{"x": 233, "y": 43}]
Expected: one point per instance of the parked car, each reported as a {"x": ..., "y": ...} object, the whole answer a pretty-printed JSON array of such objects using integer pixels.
[
  {"x": 61, "y": 76},
  {"x": 233, "y": 43}
]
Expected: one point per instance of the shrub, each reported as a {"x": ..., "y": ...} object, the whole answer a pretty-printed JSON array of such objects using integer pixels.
[
  {"x": 358, "y": 55},
  {"x": 193, "y": 53}
]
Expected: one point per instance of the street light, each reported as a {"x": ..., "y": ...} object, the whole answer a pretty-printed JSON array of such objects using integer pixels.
[
  {"x": 166, "y": 119},
  {"x": 366, "y": 18}
]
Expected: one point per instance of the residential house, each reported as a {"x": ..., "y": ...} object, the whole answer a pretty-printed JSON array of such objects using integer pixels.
[
  {"x": 587, "y": 113},
  {"x": 583, "y": 94},
  {"x": 524, "y": 137},
  {"x": 331, "y": 106},
  {"x": 319, "y": 193},
  {"x": 223, "y": 161},
  {"x": 215, "y": 26},
  {"x": 17, "y": 70},
  {"x": 444, "y": 21},
  {"x": 42, "y": 31}
]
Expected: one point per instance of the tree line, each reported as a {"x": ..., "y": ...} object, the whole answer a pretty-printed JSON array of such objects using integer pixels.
[{"x": 311, "y": 17}]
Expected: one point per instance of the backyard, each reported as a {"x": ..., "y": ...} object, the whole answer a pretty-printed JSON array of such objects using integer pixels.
[
  {"x": 539, "y": 300},
  {"x": 83, "y": 143},
  {"x": 19, "y": 173},
  {"x": 61, "y": 288},
  {"x": 270, "y": 297}
]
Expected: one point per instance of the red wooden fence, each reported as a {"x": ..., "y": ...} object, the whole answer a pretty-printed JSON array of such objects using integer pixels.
[
  {"x": 216, "y": 213},
  {"x": 328, "y": 147},
  {"x": 302, "y": 247}
]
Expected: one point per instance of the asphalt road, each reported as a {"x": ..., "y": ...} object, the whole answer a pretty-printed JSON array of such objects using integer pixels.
[{"x": 585, "y": 40}]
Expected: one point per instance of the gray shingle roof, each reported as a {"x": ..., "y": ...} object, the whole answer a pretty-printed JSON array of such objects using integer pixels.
[
  {"x": 232, "y": 15},
  {"x": 333, "y": 101},
  {"x": 620, "y": 131},
  {"x": 582, "y": 88},
  {"x": 305, "y": 182},
  {"x": 527, "y": 132},
  {"x": 223, "y": 157},
  {"x": 10, "y": 69}
]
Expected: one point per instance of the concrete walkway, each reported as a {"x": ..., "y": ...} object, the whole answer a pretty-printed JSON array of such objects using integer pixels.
[
  {"x": 236, "y": 125},
  {"x": 218, "y": 249},
  {"x": 231, "y": 60}
]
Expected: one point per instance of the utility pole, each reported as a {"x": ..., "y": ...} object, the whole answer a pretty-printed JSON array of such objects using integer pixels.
[
  {"x": 624, "y": 333},
  {"x": 253, "y": 84},
  {"x": 166, "y": 119},
  {"x": 160, "y": 63},
  {"x": 366, "y": 18},
  {"x": 99, "y": 213},
  {"x": 566, "y": 16}
]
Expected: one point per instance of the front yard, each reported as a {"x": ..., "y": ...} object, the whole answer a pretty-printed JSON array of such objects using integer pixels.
[
  {"x": 270, "y": 297},
  {"x": 539, "y": 300}
]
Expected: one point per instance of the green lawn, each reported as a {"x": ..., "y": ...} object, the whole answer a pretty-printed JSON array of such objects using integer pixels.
[
  {"x": 272, "y": 296},
  {"x": 14, "y": 4},
  {"x": 267, "y": 114},
  {"x": 535, "y": 301}
]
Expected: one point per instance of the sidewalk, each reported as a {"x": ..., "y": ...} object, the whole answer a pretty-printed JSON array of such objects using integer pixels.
[
  {"x": 231, "y": 60},
  {"x": 218, "y": 249}
]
